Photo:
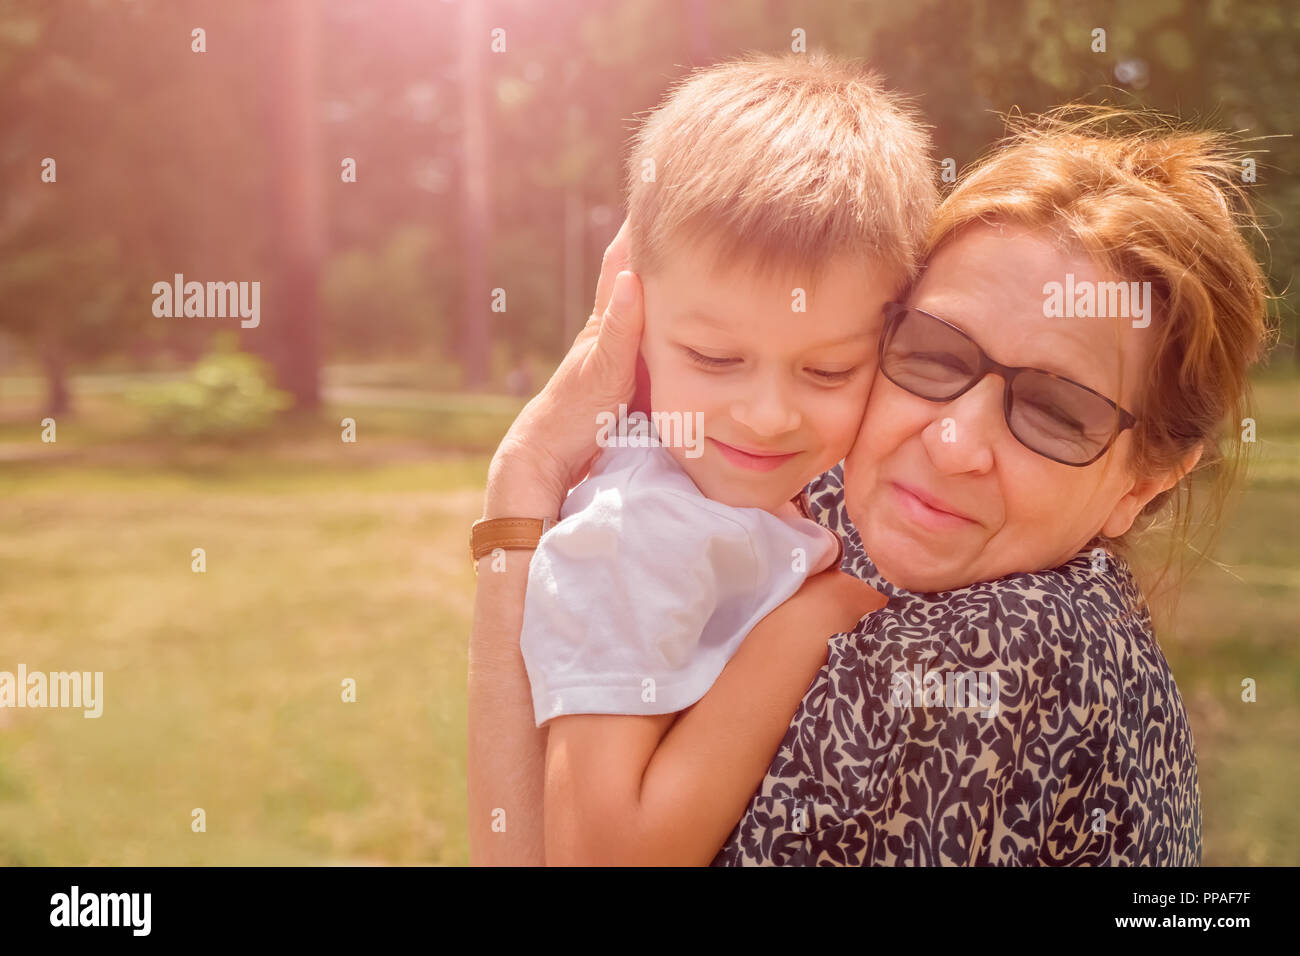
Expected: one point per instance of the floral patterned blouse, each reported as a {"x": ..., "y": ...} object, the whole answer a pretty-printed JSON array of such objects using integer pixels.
[{"x": 1027, "y": 721}]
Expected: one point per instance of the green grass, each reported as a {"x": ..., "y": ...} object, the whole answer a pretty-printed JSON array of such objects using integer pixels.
[
  {"x": 1235, "y": 619},
  {"x": 327, "y": 561},
  {"x": 222, "y": 690}
]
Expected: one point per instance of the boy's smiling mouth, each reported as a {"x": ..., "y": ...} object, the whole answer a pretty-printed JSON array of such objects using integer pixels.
[{"x": 753, "y": 459}]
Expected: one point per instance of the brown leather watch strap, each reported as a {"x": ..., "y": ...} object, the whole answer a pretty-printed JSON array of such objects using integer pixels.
[{"x": 518, "y": 534}]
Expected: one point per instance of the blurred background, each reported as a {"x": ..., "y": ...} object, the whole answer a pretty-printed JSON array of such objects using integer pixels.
[{"x": 423, "y": 189}]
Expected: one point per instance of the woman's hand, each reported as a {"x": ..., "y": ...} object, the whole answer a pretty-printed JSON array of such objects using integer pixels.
[
  {"x": 546, "y": 451},
  {"x": 553, "y": 440}
]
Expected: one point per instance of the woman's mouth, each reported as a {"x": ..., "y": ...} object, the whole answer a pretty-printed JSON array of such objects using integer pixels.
[
  {"x": 926, "y": 510},
  {"x": 753, "y": 459}
]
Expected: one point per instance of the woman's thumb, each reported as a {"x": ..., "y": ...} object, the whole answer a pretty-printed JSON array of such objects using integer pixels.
[
  {"x": 626, "y": 297},
  {"x": 620, "y": 329}
]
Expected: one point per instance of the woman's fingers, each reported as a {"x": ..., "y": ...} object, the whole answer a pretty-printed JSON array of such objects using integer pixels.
[
  {"x": 614, "y": 262},
  {"x": 553, "y": 441},
  {"x": 613, "y": 358}
]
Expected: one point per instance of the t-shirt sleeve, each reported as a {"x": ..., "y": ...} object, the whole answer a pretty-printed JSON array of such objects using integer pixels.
[{"x": 636, "y": 602}]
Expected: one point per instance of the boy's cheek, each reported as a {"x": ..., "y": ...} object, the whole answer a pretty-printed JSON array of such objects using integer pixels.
[
  {"x": 678, "y": 396},
  {"x": 847, "y": 416},
  {"x": 669, "y": 383},
  {"x": 890, "y": 421},
  {"x": 659, "y": 384}
]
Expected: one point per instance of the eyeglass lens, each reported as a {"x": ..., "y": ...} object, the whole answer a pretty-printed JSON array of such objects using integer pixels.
[{"x": 1054, "y": 417}]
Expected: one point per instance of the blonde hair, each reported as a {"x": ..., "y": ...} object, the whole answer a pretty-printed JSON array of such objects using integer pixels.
[
  {"x": 1151, "y": 200},
  {"x": 790, "y": 160}
]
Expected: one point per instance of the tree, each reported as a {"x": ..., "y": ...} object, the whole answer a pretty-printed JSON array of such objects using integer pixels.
[
  {"x": 475, "y": 225},
  {"x": 295, "y": 183}
]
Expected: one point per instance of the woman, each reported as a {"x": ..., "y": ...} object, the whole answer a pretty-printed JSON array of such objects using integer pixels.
[{"x": 1007, "y": 456}]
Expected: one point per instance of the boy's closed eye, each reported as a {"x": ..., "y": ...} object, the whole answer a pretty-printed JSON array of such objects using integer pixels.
[
  {"x": 835, "y": 376},
  {"x": 710, "y": 361}
]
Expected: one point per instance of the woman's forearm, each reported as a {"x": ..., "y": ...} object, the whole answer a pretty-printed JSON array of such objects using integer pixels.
[
  {"x": 506, "y": 752},
  {"x": 545, "y": 452}
]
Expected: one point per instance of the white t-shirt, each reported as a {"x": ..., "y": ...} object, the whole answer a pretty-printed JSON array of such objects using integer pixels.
[{"x": 642, "y": 592}]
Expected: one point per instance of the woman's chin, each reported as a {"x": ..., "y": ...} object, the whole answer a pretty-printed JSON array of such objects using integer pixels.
[
  {"x": 915, "y": 580},
  {"x": 906, "y": 564}
]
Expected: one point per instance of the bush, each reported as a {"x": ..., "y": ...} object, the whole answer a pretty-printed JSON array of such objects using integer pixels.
[{"x": 228, "y": 396}]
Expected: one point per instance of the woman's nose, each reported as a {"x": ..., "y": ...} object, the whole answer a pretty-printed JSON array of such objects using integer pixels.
[{"x": 961, "y": 437}]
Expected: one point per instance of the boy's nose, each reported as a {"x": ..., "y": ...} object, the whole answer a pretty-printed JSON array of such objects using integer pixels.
[{"x": 767, "y": 414}]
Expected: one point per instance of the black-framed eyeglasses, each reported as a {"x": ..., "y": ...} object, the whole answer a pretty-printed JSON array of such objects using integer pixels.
[{"x": 1049, "y": 414}]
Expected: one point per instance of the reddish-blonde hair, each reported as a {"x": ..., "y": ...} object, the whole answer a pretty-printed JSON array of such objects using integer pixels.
[
  {"x": 1151, "y": 200},
  {"x": 791, "y": 159}
]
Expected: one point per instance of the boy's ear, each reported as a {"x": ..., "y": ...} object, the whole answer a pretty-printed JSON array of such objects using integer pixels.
[{"x": 641, "y": 397}]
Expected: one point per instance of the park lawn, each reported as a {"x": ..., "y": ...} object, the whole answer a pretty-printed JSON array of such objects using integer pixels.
[
  {"x": 1234, "y": 623},
  {"x": 222, "y": 690},
  {"x": 326, "y": 562}
]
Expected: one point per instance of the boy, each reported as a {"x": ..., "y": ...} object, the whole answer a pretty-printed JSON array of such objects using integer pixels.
[{"x": 775, "y": 204}]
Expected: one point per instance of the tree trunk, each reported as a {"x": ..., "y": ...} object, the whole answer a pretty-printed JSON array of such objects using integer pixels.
[
  {"x": 294, "y": 328},
  {"x": 477, "y": 298},
  {"x": 58, "y": 400}
]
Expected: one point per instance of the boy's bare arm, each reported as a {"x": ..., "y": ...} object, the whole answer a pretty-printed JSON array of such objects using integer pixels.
[{"x": 667, "y": 790}]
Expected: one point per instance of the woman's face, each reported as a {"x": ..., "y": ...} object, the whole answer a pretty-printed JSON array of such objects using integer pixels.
[{"x": 943, "y": 494}]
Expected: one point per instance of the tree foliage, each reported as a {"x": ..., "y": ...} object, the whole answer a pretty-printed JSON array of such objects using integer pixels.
[{"x": 170, "y": 161}]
